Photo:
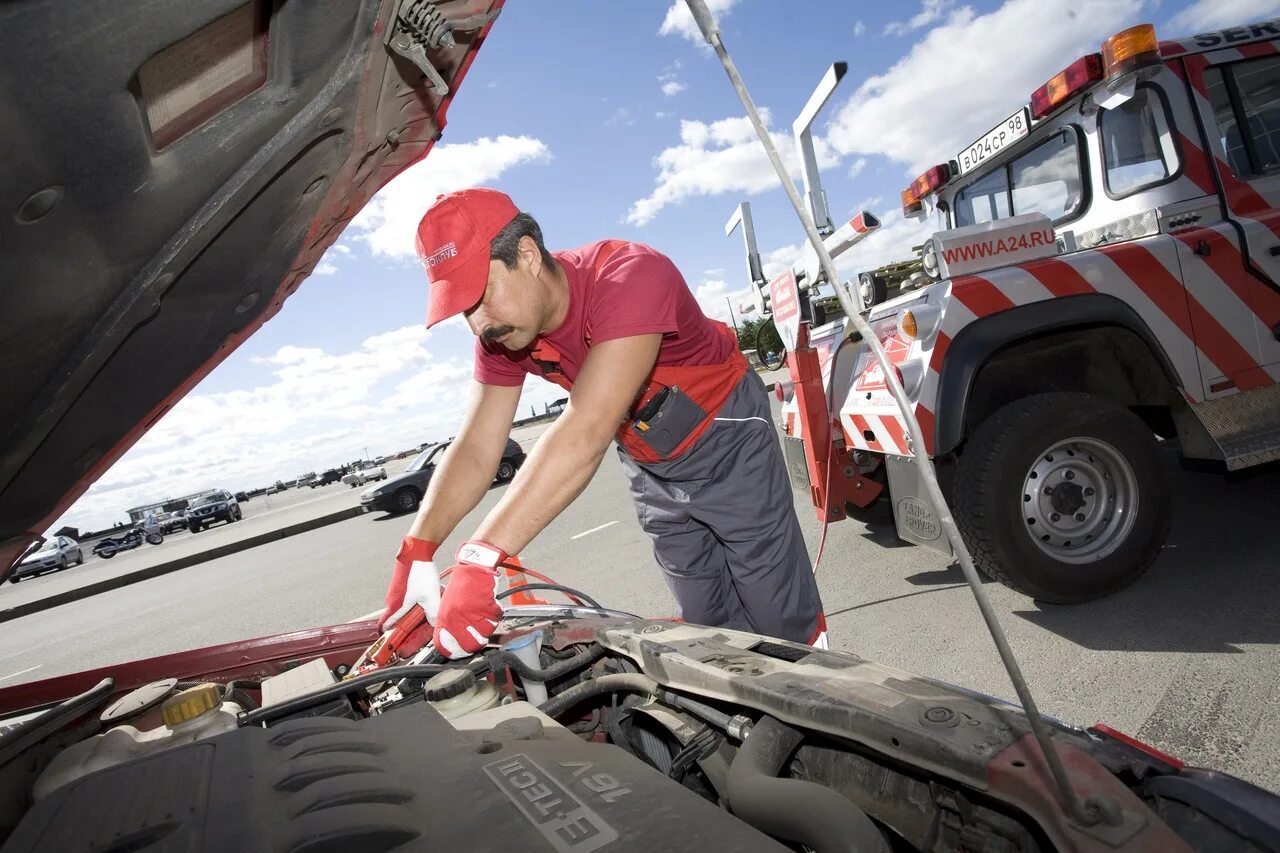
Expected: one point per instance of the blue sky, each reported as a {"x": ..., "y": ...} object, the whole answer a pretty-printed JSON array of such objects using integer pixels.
[{"x": 612, "y": 119}]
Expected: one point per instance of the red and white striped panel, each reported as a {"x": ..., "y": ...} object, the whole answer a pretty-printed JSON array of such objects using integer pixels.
[
  {"x": 1220, "y": 279},
  {"x": 1145, "y": 274}
]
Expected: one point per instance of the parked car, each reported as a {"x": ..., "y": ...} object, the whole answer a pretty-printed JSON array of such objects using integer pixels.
[
  {"x": 364, "y": 474},
  {"x": 57, "y": 553},
  {"x": 173, "y": 522},
  {"x": 404, "y": 492},
  {"x": 333, "y": 475},
  {"x": 211, "y": 508}
]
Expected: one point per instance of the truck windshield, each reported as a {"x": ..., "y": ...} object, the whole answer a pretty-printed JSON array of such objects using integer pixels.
[{"x": 1045, "y": 179}]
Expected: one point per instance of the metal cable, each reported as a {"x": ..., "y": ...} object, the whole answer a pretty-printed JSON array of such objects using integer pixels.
[{"x": 711, "y": 32}]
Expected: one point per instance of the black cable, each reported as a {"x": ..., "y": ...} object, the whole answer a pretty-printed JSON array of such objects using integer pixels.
[
  {"x": 339, "y": 690},
  {"x": 28, "y": 733},
  {"x": 551, "y": 673},
  {"x": 553, "y": 587}
]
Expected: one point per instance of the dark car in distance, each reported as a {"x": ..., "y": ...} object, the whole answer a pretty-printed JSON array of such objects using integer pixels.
[
  {"x": 404, "y": 492},
  {"x": 333, "y": 475}
]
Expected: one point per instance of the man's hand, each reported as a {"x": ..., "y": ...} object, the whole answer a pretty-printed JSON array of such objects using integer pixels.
[
  {"x": 413, "y": 581},
  {"x": 469, "y": 610}
]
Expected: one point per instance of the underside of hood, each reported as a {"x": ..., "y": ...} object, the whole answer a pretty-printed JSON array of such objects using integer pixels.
[{"x": 173, "y": 172}]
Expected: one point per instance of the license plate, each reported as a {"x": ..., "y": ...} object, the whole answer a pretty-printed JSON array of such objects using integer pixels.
[{"x": 996, "y": 140}]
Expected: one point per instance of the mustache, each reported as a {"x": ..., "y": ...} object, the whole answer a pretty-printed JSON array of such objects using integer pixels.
[{"x": 492, "y": 333}]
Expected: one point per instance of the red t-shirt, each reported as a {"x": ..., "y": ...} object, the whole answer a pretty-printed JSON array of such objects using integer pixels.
[{"x": 636, "y": 291}]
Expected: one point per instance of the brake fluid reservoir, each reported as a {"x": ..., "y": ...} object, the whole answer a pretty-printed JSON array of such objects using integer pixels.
[{"x": 195, "y": 713}]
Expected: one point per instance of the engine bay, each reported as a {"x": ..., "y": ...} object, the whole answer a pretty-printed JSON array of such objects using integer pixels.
[{"x": 581, "y": 730}]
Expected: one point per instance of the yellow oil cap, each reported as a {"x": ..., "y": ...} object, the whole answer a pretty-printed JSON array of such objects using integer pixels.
[{"x": 190, "y": 703}]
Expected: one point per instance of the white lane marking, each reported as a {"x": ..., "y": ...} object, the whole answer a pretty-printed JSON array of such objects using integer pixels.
[
  {"x": 16, "y": 674},
  {"x": 593, "y": 530},
  {"x": 365, "y": 617},
  {"x": 741, "y": 420}
]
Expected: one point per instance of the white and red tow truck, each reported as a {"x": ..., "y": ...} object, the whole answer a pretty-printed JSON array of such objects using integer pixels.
[{"x": 1103, "y": 275}]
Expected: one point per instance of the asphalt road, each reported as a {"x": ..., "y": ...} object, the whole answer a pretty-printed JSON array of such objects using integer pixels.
[{"x": 1185, "y": 659}]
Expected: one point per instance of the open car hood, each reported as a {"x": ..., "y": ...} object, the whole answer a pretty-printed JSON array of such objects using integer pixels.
[{"x": 170, "y": 180}]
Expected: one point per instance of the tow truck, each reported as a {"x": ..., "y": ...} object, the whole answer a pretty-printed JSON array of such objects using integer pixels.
[{"x": 1103, "y": 275}]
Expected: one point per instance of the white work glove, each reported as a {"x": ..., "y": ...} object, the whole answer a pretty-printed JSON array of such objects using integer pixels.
[{"x": 414, "y": 580}]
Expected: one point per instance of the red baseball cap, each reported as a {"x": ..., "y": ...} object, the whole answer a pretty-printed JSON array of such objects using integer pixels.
[{"x": 453, "y": 244}]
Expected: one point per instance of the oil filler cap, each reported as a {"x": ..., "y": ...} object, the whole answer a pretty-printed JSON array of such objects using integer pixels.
[
  {"x": 191, "y": 703},
  {"x": 450, "y": 683}
]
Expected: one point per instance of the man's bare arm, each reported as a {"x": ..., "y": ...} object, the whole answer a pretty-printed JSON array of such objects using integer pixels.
[
  {"x": 568, "y": 454},
  {"x": 469, "y": 465}
]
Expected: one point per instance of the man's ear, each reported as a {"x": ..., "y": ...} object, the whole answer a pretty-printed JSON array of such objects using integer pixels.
[{"x": 530, "y": 256}]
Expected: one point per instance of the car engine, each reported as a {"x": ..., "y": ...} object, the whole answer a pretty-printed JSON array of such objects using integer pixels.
[{"x": 578, "y": 730}]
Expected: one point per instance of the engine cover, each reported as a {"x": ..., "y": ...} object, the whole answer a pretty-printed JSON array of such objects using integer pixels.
[{"x": 406, "y": 780}]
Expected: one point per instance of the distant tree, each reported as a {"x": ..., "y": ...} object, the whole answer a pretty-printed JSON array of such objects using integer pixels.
[{"x": 750, "y": 336}]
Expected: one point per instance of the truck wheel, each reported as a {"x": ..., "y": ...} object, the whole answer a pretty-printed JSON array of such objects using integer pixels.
[
  {"x": 506, "y": 470},
  {"x": 872, "y": 290},
  {"x": 407, "y": 499},
  {"x": 1063, "y": 497}
]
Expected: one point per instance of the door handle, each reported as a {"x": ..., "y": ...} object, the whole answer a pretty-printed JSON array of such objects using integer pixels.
[{"x": 1275, "y": 251}]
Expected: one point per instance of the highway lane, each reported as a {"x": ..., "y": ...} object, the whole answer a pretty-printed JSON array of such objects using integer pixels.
[{"x": 1186, "y": 658}]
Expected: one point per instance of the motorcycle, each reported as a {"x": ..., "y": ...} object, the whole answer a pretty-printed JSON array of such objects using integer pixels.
[{"x": 110, "y": 546}]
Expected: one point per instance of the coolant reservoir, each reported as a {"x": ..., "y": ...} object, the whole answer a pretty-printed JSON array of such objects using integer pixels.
[{"x": 194, "y": 713}]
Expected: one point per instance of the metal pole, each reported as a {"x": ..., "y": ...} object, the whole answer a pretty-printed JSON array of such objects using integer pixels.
[
  {"x": 732, "y": 319},
  {"x": 706, "y": 23}
]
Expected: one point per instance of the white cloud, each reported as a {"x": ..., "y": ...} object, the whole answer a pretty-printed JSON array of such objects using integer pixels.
[
  {"x": 389, "y": 222},
  {"x": 340, "y": 248},
  {"x": 622, "y": 117},
  {"x": 325, "y": 268},
  {"x": 1206, "y": 15},
  {"x": 931, "y": 11},
  {"x": 680, "y": 22},
  {"x": 720, "y": 157},
  {"x": 857, "y": 167},
  {"x": 952, "y": 85},
  {"x": 310, "y": 410},
  {"x": 669, "y": 78},
  {"x": 859, "y": 29}
]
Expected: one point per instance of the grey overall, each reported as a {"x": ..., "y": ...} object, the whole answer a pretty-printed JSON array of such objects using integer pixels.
[{"x": 723, "y": 526}]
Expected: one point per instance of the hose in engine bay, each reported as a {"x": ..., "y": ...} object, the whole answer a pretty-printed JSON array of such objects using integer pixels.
[
  {"x": 797, "y": 810},
  {"x": 499, "y": 659}
]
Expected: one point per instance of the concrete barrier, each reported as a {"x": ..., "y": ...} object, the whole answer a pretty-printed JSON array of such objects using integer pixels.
[{"x": 27, "y": 608}]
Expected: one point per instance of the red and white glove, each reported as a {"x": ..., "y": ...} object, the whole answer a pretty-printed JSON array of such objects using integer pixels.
[
  {"x": 414, "y": 580},
  {"x": 469, "y": 610}
]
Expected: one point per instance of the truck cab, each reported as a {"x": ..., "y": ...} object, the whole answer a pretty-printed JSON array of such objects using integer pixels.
[{"x": 1103, "y": 274}]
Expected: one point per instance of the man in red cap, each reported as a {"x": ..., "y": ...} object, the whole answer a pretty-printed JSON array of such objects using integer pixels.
[{"x": 614, "y": 323}]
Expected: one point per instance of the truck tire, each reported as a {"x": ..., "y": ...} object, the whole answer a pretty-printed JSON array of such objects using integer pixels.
[
  {"x": 506, "y": 470},
  {"x": 872, "y": 290},
  {"x": 407, "y": 499},
  {"x": 1063, "y": 497}
]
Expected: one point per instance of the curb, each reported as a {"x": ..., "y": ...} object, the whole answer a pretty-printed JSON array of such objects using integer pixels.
[{"x": 177, "y": 565}]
